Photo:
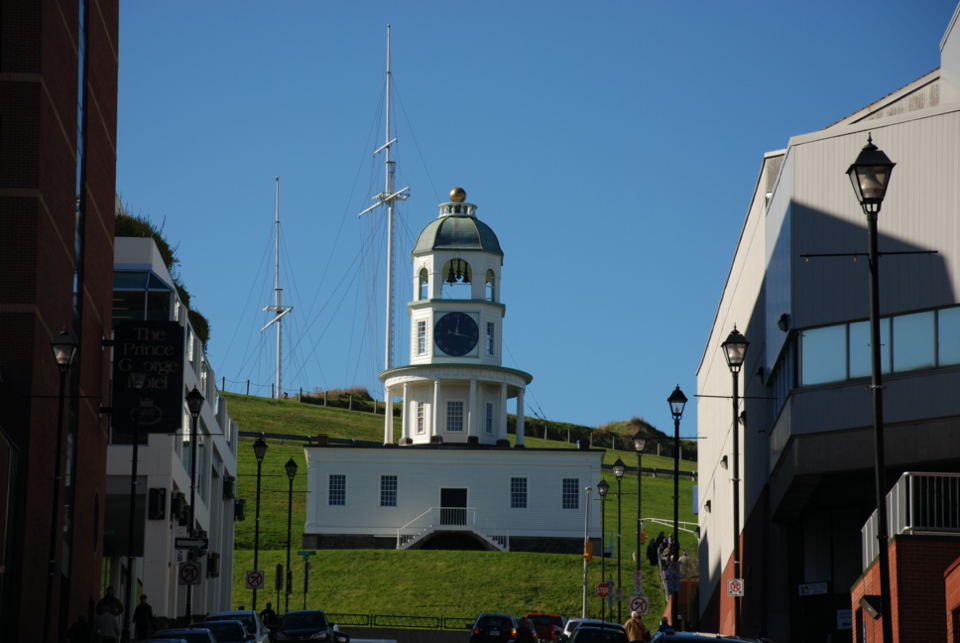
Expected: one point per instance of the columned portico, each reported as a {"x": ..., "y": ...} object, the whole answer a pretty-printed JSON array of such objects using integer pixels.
[
  {"x": 387, "y": 415},
  {"x": 520, "y": 408}
]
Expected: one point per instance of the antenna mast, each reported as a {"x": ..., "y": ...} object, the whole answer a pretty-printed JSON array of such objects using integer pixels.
[{"x": 278, "y": 308}]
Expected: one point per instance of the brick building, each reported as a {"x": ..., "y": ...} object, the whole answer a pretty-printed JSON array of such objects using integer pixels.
[{"x": 58, "y": 103}]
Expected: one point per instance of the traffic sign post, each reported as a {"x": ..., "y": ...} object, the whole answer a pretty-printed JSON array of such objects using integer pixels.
[
  {"x": 603, "y": 590},
  {"x": 618, "y": 595},
  {"x": 189, "y": 574},
  {"x": 639, "y": 604},
  {"x": 735, "y": 587},
  {"x": 255, "y": 579}
]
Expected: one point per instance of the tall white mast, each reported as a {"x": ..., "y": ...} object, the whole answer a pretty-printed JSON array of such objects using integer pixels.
[
  {"x": 278, "y": 308},
  {"x": 388, "y": 197}
]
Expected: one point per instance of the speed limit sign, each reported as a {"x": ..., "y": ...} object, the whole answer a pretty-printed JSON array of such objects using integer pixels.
[{"x": 639, "y": 604}]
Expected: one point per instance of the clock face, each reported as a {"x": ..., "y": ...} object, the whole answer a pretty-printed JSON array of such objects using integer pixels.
[{"x": 456, "y": 334}]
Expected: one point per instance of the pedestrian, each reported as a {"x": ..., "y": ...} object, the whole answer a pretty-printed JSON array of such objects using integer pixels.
[
  {"x": 143, "y": 619},
  {"x": 107, "y": 627},
  {"x": 525, "y": 631},
  {"x": 268, "y": 616},
  {"x": 652, "y": 553},
  {"x": 110, "y": 603},
  {"x": 636, "y": 629},
  {"x": 664, "y": 625},
  {"x": 80, "y": 631}
]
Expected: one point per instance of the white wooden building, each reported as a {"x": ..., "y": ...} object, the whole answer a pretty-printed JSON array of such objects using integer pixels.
[{"x": 453, "y": 481}]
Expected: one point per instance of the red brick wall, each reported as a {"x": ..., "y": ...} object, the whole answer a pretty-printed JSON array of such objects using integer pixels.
[{"x": 951, "y": 579}]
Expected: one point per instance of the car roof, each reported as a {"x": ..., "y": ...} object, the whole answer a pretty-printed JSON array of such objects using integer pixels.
[
  {"x": 670, "y": 635},
  {"x": 228, "y": 612}
]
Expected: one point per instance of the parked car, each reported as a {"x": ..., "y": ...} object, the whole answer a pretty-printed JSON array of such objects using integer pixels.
[
  {"x": 302, "y": 625},
  {"x": 597, "y": 634},
  {"x": 231, "y": 631},
  {"x": 549, "y": 627},
  {"x": 574, "y": 623},
  {"x": 250, "y": 619},
  {"x": 494, "y": 628},
  {"x": 692, "y": 637},
  {"x": 188, "y": 635}
]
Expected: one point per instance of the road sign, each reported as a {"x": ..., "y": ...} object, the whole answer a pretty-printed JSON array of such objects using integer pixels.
[
  {"x": 844, "y": 619},
  {"x": 811, "y": 589},
  {"x": 255, "y": 579},
  {"x": 639, "y": 604},
  {"x": 306, "y": 553},
  {"x": 191, "y": 543},
  {"x": 638, "y": 576},
  {"x": 618, "y": 596},
  {"x": 189, "y": 574},
  {"x": 638, "y": 587},
  {"x": 735, "y": 587},
  {"x": 603, "y": 590}
]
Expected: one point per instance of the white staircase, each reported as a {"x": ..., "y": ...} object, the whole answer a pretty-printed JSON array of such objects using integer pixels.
[{"x": 468, "y": 519}]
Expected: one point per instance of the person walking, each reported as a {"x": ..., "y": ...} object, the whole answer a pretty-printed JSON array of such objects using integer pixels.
[
  {"x": 110, "y": 603},
  {"x": 143, "y": 619},
  {"x": 636, "y": 629},
  {"x": 268, "y": 616},
  {"x": 664, "y": 625},
  {"x": 107, "y": 627},
  {"x": 525, "y": 631}
]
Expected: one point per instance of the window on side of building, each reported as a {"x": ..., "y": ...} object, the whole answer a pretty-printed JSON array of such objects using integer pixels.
[
  {"x": 518, "y": 493},
  {"x": 421, "y": 421},
  {"x": 948, "y": 336},
  {"x": 491, "y": 329},
  {"x": 571, "y": 493},
  {"x": 823, "y": 355},
  {"x": 455, "y": 415},
  {"x": 388, "y": 491},
  {"x": 421, "y": 338},
  {"x": 861, "y": 360},
  {"x": 489, "y": 418},
  {"x": 337, "y": 490},
  {"x": 915, "y": 344}
]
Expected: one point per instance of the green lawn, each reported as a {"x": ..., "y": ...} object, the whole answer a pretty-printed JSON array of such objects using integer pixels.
[{"x": 427, "y": 583}]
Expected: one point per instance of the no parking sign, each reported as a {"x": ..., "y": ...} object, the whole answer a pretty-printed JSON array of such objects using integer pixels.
[{"x": 255, "y": 579}]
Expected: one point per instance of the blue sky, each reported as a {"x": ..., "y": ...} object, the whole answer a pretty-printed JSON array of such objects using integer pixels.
[{"x": 612, "y": 146}]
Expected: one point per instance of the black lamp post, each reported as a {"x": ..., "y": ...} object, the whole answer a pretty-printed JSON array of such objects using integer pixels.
[
  {"x": 618, "y": 469},
  {"x": 291, "y": 468},
  {"x": 677, "y": 401},
  {"x": 64, "y": 350},
  {"x": 260, "y": 450},
  {"x": 137, "y": 380},
  {"x": 735, "y": 351},
  {"x": 194, "y": 405},
  {"x": 870, "y": 176},
  {"x": 638, "y": 444},
  {"x": 602, "y": 489}
]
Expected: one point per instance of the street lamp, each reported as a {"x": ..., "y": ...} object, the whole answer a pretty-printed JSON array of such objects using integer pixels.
[
  {"x": 64, "y": 350},
  {"x": 638, "y": 444},
  {"x": 291, "y": 468},
  {"x": 735, "y": 351},
  {"x": 677, "y": 401},
  {"x": 137, "y": 378},
  {"x": 259, "y": 450},
  {"x": 618, "y": 468},
  {"x": 194, "y": 405},
  {"x": 870, "y": 176},
  {"x": 602, "y": 489}
]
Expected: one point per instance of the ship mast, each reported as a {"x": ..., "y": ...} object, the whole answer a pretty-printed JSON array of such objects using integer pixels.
[{"x": 278, "y": 307}]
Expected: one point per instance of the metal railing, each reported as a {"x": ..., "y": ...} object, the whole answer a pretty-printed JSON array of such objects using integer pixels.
[
  {"x": 391, "y": 621},
  {"x": 920, "y": 503},
  {"x": 453, "y": 519}
]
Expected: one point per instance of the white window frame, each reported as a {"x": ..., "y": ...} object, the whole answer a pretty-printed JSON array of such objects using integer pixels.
[
  {"x": 421, "y": 417},
  {"x": 396, "y": 489},
  {"x": 565, "y": 495},
  {"x": 463, "y": 416},
  {"x": 491, "y": 335},
  {"x": 525, "y": 492},
  {"x": 330, "y": 490},
  {"x": 489, "y": 418},
  {"x": 421, "y": 337}
]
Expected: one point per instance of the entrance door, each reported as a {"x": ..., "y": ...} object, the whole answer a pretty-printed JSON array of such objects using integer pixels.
[{"x": 453, "y": 506}]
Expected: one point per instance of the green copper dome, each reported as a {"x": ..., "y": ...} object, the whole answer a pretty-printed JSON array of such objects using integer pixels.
[{"x": 453, "y": 232}]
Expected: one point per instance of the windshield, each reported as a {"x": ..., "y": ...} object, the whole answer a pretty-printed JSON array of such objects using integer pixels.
[
  {"x": 224, "y": 631},
  {"x": 294, "y": 621},
  {"x": 545, "y": 619},
  {"x": 494, "y": 623},
  {"x": 596, "y": 635}
]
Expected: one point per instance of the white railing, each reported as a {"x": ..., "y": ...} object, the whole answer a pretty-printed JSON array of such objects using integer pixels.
[
  {"x": 453, "y": 519},
  {"x": 920, "y": 503}
]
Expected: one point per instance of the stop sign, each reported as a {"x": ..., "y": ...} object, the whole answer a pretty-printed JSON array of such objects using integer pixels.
[{"x": 603, "y": 590}]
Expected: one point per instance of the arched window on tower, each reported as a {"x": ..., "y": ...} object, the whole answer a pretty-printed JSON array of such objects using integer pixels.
[
  {"x": 424, "y": 284},
  {"x": 491, "y": 286},
  {"x": 457, "y": 274}
]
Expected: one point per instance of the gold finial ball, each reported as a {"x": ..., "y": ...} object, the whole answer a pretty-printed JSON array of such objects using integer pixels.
[{"x": 458, "y": 195}]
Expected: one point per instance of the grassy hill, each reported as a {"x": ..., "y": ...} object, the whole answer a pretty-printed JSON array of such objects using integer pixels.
[{"x": 446, "y": 583}]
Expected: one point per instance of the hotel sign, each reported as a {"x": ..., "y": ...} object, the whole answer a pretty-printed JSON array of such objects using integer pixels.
[{"x": 156, "y": 348}]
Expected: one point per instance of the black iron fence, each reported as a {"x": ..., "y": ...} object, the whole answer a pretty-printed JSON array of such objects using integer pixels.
[{"x": 391, "y": 620}]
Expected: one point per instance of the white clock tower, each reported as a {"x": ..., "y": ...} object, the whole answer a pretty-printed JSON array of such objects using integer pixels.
[{"x": 455, "y": 389}]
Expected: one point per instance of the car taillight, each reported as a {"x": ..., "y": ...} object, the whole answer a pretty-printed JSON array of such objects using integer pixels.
[
  {"x": 514, "y": 632},
  {"x": 476, "y": 631}
]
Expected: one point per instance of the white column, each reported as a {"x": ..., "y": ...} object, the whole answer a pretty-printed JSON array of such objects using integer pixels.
[
  {"x": 503, "y": 411},
  {"x": 520, "y": 418},
  {"x": 473, "y": 426},
  {"x": 387, "y": 416},
  {"x": 405, "y": 413},
  {"x": 435, "y": 411}
]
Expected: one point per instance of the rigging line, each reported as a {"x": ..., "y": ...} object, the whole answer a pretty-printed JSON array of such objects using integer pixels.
[
  {"x": 263, "y": 294},
  {"x": 371, "y": 298},
  {"x": 504, "y": 342},
  {"x": 415, "y": 143}
]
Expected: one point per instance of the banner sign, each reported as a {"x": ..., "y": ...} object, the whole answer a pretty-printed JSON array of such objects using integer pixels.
[{"x": 155, "y": 347}]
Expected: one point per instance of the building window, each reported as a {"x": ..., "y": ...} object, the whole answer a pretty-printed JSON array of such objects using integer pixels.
[
  {"x": 424, "y": 284},
  {"x": 388, "y": 491},
  {"x": 422, "y": 337},
  {"x": 518, "y": 493},
  {"x": 454, "y": 415},
  {"x": 337, "y": 492},
  {"x": 489, "y": 419},
  {"x": 491, "y": 291},
  {"x": 420, "y": 417},
  {"x": 490, "y": 331},
  {"x": 571, "y": 493}
]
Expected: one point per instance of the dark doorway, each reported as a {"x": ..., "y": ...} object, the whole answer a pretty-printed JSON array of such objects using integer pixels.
[{"x": 453, "y": 506}]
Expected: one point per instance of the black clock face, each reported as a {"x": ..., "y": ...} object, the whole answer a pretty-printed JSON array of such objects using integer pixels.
[{"x": 456, "y": 334}]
